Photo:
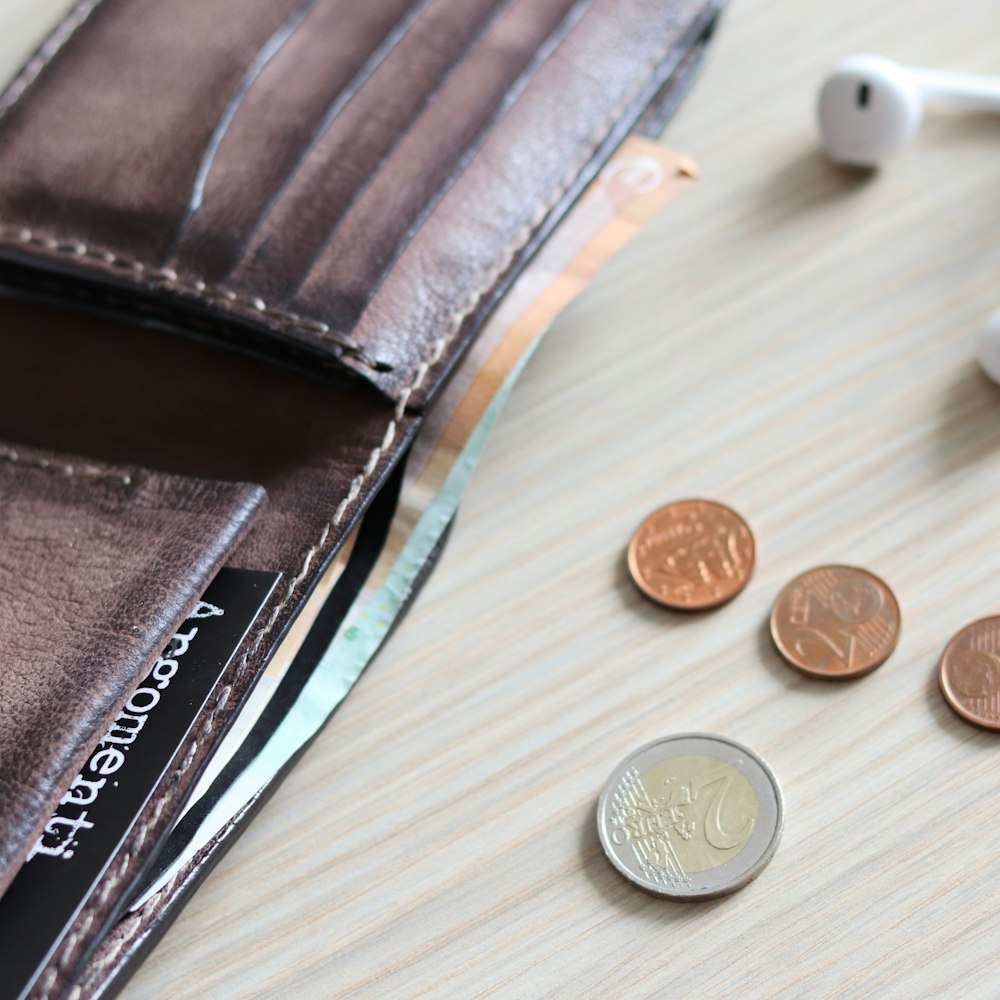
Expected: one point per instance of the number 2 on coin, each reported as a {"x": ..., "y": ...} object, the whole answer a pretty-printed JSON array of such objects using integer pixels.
[
  {"x": 719, "y": 838},
  {"x": 844, "y": 653}
]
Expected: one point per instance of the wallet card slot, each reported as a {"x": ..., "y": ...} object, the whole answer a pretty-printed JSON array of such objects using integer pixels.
[
  {"x": 348, "y": 266},
  {"x": 98, "y": 564},
  {"x": 121, "y": 136},
  {"x": 365, "y": 123},
  {"x": 395, "y": 141},
  {"x": 307, "y": 80}
]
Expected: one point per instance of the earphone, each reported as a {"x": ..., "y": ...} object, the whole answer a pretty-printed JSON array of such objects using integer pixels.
[
  {"x": 871, "y": 107},
  {"x": 988, "y": 347}
]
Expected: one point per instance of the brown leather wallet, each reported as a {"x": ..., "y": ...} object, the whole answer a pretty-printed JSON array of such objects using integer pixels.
[{"x": 337, "y": 194}]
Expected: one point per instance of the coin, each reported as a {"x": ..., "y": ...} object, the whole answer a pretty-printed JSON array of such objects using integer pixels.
[
  {"x": 836, "y": 621},
  {"x": 692, "y": 555},
  {"x": 969, "y": 673},
  {"x": 692, "y": 816}
]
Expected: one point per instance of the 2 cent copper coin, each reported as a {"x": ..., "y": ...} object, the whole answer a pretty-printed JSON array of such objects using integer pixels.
[
  {"x": 836, "y": 621},
  {"x": 692, "y": 555},
  {"x": 969, "y": 673}
]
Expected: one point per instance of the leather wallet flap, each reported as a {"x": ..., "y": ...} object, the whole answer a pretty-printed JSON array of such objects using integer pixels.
[
  {"x": 351, "y": 185},
  {"x": 98, "y": 565}
]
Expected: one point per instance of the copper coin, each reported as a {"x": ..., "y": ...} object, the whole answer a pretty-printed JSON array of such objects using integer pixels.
[
  {"x": 692, "y": 555},
  {"x": 836, "y": 621},
  {"x": 970, "y": 673}
]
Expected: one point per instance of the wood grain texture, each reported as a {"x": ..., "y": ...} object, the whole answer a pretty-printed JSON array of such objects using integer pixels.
[{"x": 794, "y": 341}]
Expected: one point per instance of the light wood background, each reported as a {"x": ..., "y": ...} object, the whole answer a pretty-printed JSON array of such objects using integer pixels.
[{"x": 792, "y": 340}]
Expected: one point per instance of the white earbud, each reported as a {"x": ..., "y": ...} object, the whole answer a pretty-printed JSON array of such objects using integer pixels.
[
  {"x": 871, "y": 107},
  {"x": 988, "y": 347}
]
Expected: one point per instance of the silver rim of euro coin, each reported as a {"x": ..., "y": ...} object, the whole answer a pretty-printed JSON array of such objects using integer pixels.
[{"x": 692, "y": 816}]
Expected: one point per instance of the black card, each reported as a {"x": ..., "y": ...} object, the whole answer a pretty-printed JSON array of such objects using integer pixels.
[{"x": 97, "y": 812}]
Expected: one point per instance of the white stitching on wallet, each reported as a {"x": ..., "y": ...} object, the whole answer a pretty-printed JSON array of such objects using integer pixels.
[
  {"x": 167, "y": 275},
  {"x": 521, "y": 237},
  {"x": 73, "y": 471},
  {"x": 120, "y": 941},
  {"x": 50, "y": 978},
  {"x": 15, "y": 91}
]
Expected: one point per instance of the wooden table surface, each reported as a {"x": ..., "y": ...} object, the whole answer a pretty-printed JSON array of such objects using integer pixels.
[{"x": 797, "y": 342}]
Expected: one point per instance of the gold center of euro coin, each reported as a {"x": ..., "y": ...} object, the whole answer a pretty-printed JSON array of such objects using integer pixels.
[{"x": 688, "y": 814}]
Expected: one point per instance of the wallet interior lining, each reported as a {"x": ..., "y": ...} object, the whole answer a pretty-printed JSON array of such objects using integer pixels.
[{"x": 151, "y": 399}]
